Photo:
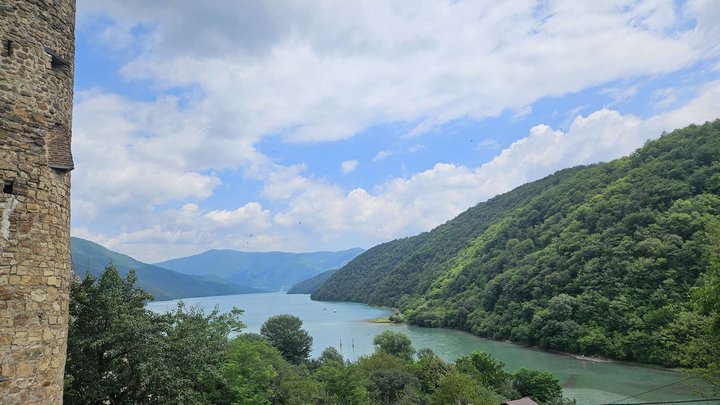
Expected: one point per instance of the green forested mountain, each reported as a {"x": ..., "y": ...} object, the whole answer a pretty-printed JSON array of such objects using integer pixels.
[
  {"x": 596, "y": 259},
  {"x": 313, "y": 283},
  {"x": 271, "y": 271},
  {"x": 162, "y": 284}
]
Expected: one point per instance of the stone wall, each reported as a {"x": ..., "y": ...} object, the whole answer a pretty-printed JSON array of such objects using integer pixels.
[{"x": 36, "y": 84}]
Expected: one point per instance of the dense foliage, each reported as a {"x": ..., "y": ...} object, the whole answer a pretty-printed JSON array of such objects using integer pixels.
[
  {"x": 286, "y": 334},
  {"x": 597, "y": 259},
  {"x": 121, "y": 353},
  {"x": 395, "y": 344},
  {"x": 707, "y": 298}
]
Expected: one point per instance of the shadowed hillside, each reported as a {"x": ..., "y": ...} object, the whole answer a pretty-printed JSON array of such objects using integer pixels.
[
  {"x": 310, "y": 285},
  {"x": 163, "y": 284},
  {"x": 271, "y": 271}
]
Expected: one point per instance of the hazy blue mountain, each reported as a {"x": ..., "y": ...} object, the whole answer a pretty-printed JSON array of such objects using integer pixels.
[
  {"x": 310, "y": 285},
  {"x": 163, "y": 284},
  {"x": 272, "y": 271}
]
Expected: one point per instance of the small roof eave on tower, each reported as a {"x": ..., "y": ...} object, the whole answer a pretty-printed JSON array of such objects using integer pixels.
[{"x": 59, "y": 153}]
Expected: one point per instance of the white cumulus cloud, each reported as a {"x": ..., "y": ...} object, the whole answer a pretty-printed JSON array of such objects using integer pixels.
[
  {"x": 383, "y": 154},
  {"x": 250, "y": 215},
  {"x": 348, "y": 166}
]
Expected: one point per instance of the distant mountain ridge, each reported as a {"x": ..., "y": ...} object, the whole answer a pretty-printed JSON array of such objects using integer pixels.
[
  {"x": 272, "y": 271},
  {"x": 161, "y": 283},
  {"x": 597, "y": 259},
  {"x": 313, "y": 283}
]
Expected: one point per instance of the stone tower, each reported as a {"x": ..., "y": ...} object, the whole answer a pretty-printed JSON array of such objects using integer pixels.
[{"x": 36, "y": 88}]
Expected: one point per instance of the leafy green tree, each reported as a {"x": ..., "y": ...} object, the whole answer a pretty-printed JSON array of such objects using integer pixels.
[
  {"x": 395, "y": 344},
  {"x": 296, "y": 386},
  {"x": 388, "y": 377},
  {"x": 541, "y": 386},
  {"x": 331, "y": 354},
  {"x": 387, "y": 385},
  {"x": 458, "y": 388},
  {"x": 429, "y": 370},
  {"x": 707, "y": 299},
  {"x": 285, "y": 333},
  {"x": 707, "y": 296},
  {"x": 252, "y": 369},
  {"x": 121, "y": 353},
  {"x": 342, "y": 384},
  {"x": 412, "y": 396},
  {"x": 380, "y": 360},
  {"x": 108, "y": 343},
  {"x": 485, "y": 368},
  {"x": 189, "y": 369}
]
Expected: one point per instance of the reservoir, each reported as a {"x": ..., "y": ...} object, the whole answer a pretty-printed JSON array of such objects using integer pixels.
[{"x": 345, "y": 326}]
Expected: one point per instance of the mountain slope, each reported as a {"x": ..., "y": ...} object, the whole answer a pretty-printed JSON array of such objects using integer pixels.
[
  {"x": 266, "y": 270},
  {"x": 597, "y": 259},
  {"x": 313, "y": 283},
  {"x": 163, "y": 284}
]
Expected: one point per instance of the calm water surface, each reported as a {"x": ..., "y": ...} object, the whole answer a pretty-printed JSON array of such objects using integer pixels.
[{"x": 345, "y": 327}]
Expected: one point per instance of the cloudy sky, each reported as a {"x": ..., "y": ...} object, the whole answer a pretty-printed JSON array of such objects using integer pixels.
[{"x": 323, "y": 125}]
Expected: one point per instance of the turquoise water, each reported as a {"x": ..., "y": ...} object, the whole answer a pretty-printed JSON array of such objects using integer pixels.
[{"x": 345, "y": 327}]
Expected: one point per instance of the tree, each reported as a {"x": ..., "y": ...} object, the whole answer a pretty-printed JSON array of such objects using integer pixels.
[
  {"x": 331, "y": 354},
  {"x": 296, "y": 386},
  {"x": 542, "y": 386},
  {"x": 395, "y": 344},
  {"x": 121, "y": 353},
  {"x": 484, "y": 367},
  {"x": 456, "y": 388},
  {"x": 344, "y": 384},
  {"x": 386, "y": 386},
  {"x": 707, "y": 299},
  {"x": 189, "y": 360},
  {"x": 429, "y": 370},
  {"x": 707, "y": 296},
  {"x": 252, "y": 369},
  {"x": 285, "y": 333},
  {"x": 107, "y": 339},
  {"x": 386, "y": 376}
]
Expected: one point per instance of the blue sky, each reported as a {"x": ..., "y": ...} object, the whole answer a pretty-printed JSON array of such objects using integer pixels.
[{"x": 319, "y": 125}]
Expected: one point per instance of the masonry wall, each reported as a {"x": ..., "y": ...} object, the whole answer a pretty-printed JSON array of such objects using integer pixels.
[{"x": 36, "y": 81}]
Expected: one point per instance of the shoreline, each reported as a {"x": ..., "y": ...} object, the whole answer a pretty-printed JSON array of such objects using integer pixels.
[
  {"x": 386, "y": 319},
  {"x": 576, "y": 356}
]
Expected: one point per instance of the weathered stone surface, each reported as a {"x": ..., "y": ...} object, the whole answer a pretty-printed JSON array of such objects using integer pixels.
[{"x": 35, "y": 267}]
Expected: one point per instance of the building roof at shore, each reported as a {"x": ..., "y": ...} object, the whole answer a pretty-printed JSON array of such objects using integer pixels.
[{"x": 521, "y": 401}]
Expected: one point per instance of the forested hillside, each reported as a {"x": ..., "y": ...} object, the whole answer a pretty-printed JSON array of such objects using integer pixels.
[
  {"x": 597, "y": 259},
  {"x": 163, "y": 284},
  {"x": 313, "y": 283}
]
